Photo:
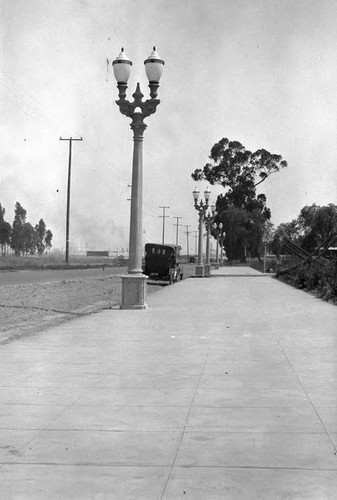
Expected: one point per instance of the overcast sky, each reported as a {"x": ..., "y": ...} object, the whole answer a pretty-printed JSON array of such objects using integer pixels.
[{"x": 262, "y": 72}]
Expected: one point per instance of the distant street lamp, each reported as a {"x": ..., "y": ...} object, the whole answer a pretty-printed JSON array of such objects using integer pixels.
[
  {"x": 134, "y": 283},
  {"x": 222, "y": 235},
  {"x": 209, "y": 218},
  {"x": 265, "y": 255},
  {"x": 216, "y": 228},
  {"x": 201, "y": 207}
]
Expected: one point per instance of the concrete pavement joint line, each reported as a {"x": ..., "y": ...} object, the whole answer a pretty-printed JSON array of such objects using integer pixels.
[
  {"x": 307, "y": 395},
  {"x": 83, "y": 405},
  {"x": 146, "y": 466},
  {"x": 103, "y": 407},
  {"x": 187, "y": 417},
  {"x": 172, "y": 429},
  {"x": 88, "y": 464},
  {"x": 32, "y": 404}
]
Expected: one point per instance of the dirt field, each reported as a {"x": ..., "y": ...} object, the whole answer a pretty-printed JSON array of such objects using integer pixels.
[{"x": 29, "y": 308}]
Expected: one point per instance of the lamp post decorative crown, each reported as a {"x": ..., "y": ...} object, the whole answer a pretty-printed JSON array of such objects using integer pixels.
[{"x": 122, "y": 69}]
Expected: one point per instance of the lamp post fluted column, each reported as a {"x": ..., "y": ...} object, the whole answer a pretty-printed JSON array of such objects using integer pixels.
[
  {"x": 208, "y": 222},
  {"x": 134, "y": 283},
  {"x": 217, "y": 252},
  {"x": 200, "y": 268},
  {"x": 136, "y": 213},
  {"x": 207, "y": 263},
  {"x": 217, "y": 234},
  {"x": 221, "y": 241},
  {"x": 201, "y": 207}
]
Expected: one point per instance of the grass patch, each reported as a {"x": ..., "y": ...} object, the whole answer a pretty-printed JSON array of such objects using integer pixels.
[{"x": 55, "y": 260}]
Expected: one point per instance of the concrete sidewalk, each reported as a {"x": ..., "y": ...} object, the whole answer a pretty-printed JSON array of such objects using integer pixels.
[{"x": 224, "y": 388}]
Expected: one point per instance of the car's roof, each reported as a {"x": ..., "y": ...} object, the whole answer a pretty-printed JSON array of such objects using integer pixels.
[{"x": 159, "y": 245}]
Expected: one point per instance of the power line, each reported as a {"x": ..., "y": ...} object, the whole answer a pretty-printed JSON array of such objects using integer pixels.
[
  {"x": 163, "y": 217},
  {"x": 70, "y": 139}
]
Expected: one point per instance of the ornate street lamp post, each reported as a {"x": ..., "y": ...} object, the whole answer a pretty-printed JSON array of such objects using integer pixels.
[
  {"x": 221, "y": 241},
  {"x": 217, "y": 234},
  {"x": 201, "y": 207},
  {"x": 265, "y": 255},
  {"x": 209, "y": 218},
  {"x": 134, "y": 283}
]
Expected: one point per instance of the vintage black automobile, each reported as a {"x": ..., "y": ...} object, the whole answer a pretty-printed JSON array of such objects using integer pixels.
[{"x": 162, "y": 262}]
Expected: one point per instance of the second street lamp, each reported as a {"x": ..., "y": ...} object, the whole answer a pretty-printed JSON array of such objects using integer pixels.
[
  {"x": 201, "y": 207},
  {"x": 221, "y": 241},
  {"x": 208, "y": 223},
  {"x": 217, "y": 235},
  {"x": 134, "y": 283}
]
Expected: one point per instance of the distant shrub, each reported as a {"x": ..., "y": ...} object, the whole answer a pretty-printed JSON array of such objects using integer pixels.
[
  {"x": 329, "y": 286},
  {"x": 314, "y": 277}
]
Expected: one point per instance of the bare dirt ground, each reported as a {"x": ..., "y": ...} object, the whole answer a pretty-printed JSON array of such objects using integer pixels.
[{"x": 32, "y": 307}]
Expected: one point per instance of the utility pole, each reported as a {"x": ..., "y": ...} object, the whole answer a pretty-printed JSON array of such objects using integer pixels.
[
  {"x": 70, "y": 139},
  {"x": 177, "y": 226},
  {"x": 195, "y": 241},
  {"x": 187, "y": 232},
  {"x": 163, "y": 217}
]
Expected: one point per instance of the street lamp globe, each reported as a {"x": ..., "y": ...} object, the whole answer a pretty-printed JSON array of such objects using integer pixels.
[
  {"x": 196, "y": 193},
  {"x": 154, "y": 67},
  {"x": 207, "y": 194},
  {"x": 213, "y": 208},
  {"x": 122, "y": 67}
]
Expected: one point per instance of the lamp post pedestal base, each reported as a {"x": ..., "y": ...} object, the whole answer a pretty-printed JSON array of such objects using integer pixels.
[
  {"x": 200, "y": 271},
  {"x": 207, "y": 270},
  {"x": 133, "y": 291}
]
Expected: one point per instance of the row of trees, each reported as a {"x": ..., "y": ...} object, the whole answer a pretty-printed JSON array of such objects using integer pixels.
[
  {"x": 21, "y": 236},
  {"x": 315, "y": 230},
  {"x": 314, "y": 226},
  {"x": 243, "y": 213}
]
